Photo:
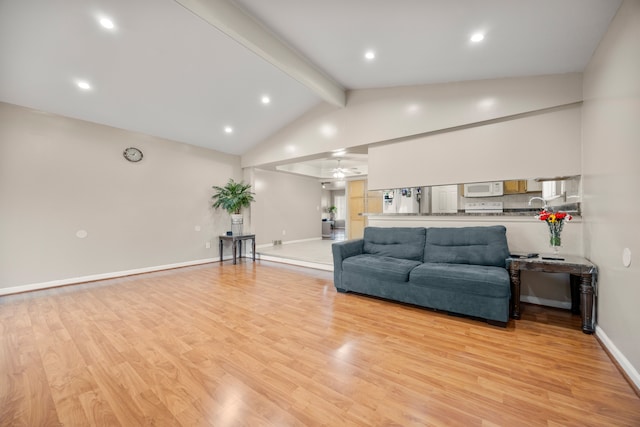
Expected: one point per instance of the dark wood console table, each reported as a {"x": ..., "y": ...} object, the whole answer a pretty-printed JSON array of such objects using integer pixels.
[
  {"x": 583, "y": 280},
  {"x": 236, "y": 241}
]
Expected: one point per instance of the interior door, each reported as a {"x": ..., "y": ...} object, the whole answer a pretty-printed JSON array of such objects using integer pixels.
[{"x": 356, "y": 207}]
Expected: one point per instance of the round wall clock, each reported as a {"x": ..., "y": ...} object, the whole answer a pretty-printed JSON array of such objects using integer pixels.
[{"x": 132, "y": 154}]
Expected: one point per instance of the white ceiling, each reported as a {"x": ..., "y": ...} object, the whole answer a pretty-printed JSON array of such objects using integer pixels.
[
  {"x": 350, "y": 164},
  {"x": 166, "y": 72},
  {"x": 427, "y": 41}
]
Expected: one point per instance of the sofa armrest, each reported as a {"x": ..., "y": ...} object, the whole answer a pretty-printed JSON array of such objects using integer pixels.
[{"x": 341, "y": 251}]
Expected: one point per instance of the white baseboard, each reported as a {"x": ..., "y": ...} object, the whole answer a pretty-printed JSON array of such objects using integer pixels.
[
  {"x": 546, "y": 302},
  {"x": 103, "y": 276},
  {"x": 315, "y": 265},
  {"x": 288, "y": 242},
  {"x": 624, "y": 363}
]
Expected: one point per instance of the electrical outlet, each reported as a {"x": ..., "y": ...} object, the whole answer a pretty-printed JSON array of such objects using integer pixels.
[{"x": 207, "y": 245}]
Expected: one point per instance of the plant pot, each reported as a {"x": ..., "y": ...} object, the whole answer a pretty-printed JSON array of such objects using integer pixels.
[{"x": 236, "y": 224}]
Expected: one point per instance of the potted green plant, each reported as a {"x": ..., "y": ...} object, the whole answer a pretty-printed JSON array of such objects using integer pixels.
[
  {"x": 332, "y": 212},
  {"x": 233, "y": 197}
]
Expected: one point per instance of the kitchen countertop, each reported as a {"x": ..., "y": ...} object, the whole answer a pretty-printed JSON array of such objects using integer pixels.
[
  {"x": 572, "y": 208},
  {"x": 507, "y": 212}
]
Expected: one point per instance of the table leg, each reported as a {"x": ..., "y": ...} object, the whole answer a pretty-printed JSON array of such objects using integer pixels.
[
  {"x": 253, "y": 248},
  {"x": 514, "y": 271},
  {"x": 220, "y": 250},
  {"x": 240, "y": 253},
  {"x": 235, "y": 247},
  {"x": 575, "y": 293},
  {"x": 586, "y": 299}
]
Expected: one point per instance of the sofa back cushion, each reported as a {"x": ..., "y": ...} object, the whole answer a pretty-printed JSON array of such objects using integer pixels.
[
  {"x": 467, "y": 245},
  {"x": 396, "y": 242}
]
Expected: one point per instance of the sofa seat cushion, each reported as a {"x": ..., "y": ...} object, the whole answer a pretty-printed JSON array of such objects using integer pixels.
[
  {"x": 466, "y": 279},
  {"x": 382, "y": 267}
]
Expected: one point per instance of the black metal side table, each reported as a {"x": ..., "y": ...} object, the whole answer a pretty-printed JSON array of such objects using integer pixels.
[
  {"x": 583, "y": 281},
  {"x": 236, "y": 241}
]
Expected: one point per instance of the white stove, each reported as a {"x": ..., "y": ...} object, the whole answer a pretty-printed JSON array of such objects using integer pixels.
[{"x": 483, "y": 207}]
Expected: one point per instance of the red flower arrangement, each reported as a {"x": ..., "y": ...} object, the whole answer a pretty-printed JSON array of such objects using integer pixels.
[
  {"x": 553, "y": 217},
  {"x": 555, "y": 221}
]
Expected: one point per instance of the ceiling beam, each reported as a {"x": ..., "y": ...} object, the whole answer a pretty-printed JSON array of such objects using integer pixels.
[{"x": 248, "y": 31}]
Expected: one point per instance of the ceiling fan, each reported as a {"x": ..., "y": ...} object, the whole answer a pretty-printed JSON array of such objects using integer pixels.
[{"x": 340, "y": 172}]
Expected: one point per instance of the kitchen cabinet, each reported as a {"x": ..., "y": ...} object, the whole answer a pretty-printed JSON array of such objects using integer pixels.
[
  {"x": 534, "y": 186},
  {"x": 444, "y": 199},
  {"x": 522, "y": 186},
  {"x": 515, "y": 186}
]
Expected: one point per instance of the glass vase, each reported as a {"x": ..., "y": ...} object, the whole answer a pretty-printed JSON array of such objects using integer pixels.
[{"x": 555, "y": 239}]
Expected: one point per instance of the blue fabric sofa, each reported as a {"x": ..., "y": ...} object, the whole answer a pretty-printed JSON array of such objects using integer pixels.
[{"x": 457, "y": 270}]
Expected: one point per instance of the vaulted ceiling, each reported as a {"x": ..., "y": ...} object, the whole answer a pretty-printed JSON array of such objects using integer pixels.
[{"x": 198, "y": 71}]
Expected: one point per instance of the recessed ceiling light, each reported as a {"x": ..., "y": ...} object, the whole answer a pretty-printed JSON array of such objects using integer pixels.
[
  {"x": 83, "y": 85},
  {"x": 477, "y": 37},
  {"x": 107, "y": 23},
  {"x": 265, "y": 99},
  {"x": 370, "y": 55},
  {"x": 228, "y": 129},
  {"x": 328, "y": 130}
]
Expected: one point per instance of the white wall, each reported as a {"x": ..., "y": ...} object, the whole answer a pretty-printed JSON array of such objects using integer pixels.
[
  {"x": 60, "y": 175},
  {"x": 538, "y": 145},
  {"x": 611, "y": 179},
  {"x": 288, "y": 203},
  {"x": 334, "y": 195},
  {"x": 376, "y": 115},
  {"x": 325, "y": 202}
]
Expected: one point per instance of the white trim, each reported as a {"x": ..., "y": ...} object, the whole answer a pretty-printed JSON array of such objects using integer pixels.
[
  {"x": 288, "y": 242},
  {"x": 317, "y": 266},
  {"x": 102, "y": 276},
  {"x": 624, "y": 363},
  {"x": 545, "y": 301}
]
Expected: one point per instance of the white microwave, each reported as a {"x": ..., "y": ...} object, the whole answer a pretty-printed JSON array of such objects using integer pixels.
[{"x": 484, "y": 189}]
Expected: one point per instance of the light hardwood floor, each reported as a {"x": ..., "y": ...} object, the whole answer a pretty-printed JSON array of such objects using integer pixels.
[{"x": 267, "y": 344}]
